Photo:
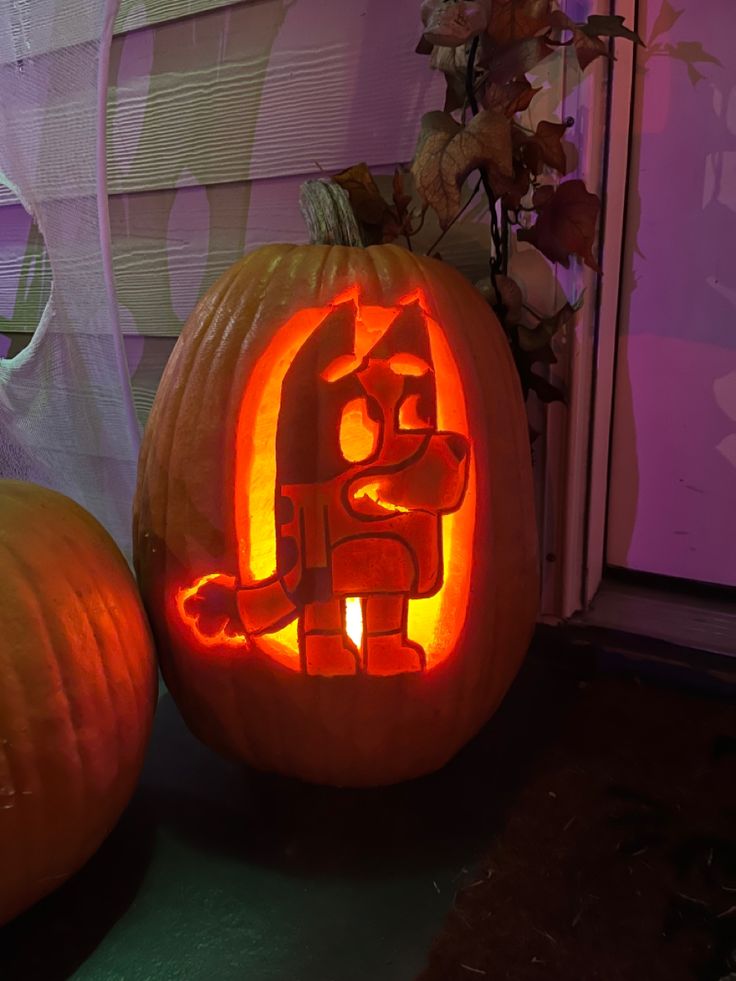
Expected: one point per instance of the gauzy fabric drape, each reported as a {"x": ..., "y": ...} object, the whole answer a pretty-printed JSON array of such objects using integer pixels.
[{"x": 66, "y": 411}]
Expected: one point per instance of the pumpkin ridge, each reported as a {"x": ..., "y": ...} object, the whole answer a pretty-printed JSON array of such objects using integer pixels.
[
  {"x": 12, "y": 671},
  {"x": 137, "y": 682},
  {"x": 111, "y": 690},
  {"x": 134, "y": 684},
  {"x": 71, "y": 715},
  {"x": 29, "y": 752},
  {"x": 171, "y": 415}
]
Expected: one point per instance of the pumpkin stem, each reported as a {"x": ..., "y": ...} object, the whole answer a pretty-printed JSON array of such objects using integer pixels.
[{"x": 329, "y": 217}]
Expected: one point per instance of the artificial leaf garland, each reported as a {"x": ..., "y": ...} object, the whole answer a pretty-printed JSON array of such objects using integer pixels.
[{"x": 485, "y": 48}]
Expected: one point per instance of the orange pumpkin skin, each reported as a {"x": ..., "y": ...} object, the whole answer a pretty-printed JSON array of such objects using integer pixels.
[
  {"x": 236, "y": 424},
  {"x": 77, "y": 690}
]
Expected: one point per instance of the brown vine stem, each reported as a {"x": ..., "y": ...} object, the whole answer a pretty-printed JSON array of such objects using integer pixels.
[
  {"x": 460, "y": 213},
  {"x": 497, "y": 261},
  {"x": 532, "y": 311}
]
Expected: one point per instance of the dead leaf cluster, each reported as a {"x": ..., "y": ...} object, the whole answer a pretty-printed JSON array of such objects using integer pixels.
[{"x": 485, "y": 50}]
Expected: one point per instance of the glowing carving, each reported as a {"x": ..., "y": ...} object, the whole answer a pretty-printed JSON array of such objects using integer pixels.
[
  {"x": 354, "y": 497},
  {"x": 410, "y": 416},
  {"x": 354, "y": 620},
  {"x": 358, "y": 432},
  {"x": 214, "y": 638},
  {"x": 373, "y": 492}
]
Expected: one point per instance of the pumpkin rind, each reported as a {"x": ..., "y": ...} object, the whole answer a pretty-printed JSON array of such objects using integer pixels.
[
  {"x": 77, "y": 690},
  {"x": 348, "y": 730}
]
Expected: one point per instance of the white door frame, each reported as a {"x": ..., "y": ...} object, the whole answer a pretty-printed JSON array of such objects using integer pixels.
[{"x": 578, "y": 436}]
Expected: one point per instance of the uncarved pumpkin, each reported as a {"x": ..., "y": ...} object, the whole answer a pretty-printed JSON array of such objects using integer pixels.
[
  {"x": 334, "y": 531},
  {"x": 77, "y": 690}
]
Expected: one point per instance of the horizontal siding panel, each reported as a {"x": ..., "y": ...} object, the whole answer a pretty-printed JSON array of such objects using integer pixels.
[
  {"x": 50, "y": 34},
  {"x": 132, "y": 15},
  {"x": 170, "y": 246},
  {"x": 266, "y": 90},
  {"x": 135, "y": 14},
  {"x": 259, "y": 90}
]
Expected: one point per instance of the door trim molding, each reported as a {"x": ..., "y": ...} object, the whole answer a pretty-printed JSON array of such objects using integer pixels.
[
  {"x": 613, "y": 230},
  {"x": 578, "y": 439}
]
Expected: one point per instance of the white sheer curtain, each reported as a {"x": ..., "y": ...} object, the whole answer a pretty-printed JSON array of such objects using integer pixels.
[{"x": 66, "y": 409}]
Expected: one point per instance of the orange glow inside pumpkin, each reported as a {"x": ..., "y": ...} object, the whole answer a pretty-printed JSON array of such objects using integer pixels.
[
  {"x": 358, "y": 432},
  {"x": 354, "y": 620},
  {"x": 433, "y": 622},
  {"x": 221, "y": 637},
  {"x": 373, "y": 492},
  {"x": 409, "y": 415}
]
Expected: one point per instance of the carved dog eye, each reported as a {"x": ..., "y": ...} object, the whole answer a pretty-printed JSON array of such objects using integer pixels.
[
  {"x": 408, "y": 364},
  {"x": 410, "y": 416},
  {"x": 358, "y": 431}
]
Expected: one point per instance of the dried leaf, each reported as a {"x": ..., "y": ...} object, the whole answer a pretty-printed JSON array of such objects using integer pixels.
[
  {"x": 542, "y": 195},
  {"x": 545, "y": 390},
  {"x": 513, "y": 60},
  {"x": 380, "y": 221},
  {"x": 452, "y": 24},
  {"x": 509, "y": 293},
  {"x": 587, "y": 48},
  {"x": 538, "y": 337},
  {"x": 512, "y": 190},
  {"x": 601, "y": 25},
  {"x": 365, "y": 198},
  {"x": 566, "y": 225},
  {"x": 545, "y": 147},
  {"x": 513, "y": 20},
  {"x": 665, "y": 20},
  {"x": 559, "y": 22},
  {"x": 447, "y": 152},
  {"x": 515, "y": 96},
  {"x": 401, "y": 199}
]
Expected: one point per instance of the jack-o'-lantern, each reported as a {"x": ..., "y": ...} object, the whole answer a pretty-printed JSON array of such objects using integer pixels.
[{"x": 334, "y": 529}]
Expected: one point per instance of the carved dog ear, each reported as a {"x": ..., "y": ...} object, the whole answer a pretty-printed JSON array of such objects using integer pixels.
[
  {"x": 407, "y": 335},
  {"x": 314, "y": 392},
  {"x": 406, "y": 348}
]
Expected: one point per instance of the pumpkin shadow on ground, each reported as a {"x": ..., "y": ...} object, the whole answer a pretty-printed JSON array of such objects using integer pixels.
[
  {"x": 300, "y": 829},
  {"x": 52, "y": 939}
]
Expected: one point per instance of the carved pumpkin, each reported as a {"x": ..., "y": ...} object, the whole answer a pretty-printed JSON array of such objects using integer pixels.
[
  {"x": 334, "y": 529},
  {"x": 77, "y": 690}
]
